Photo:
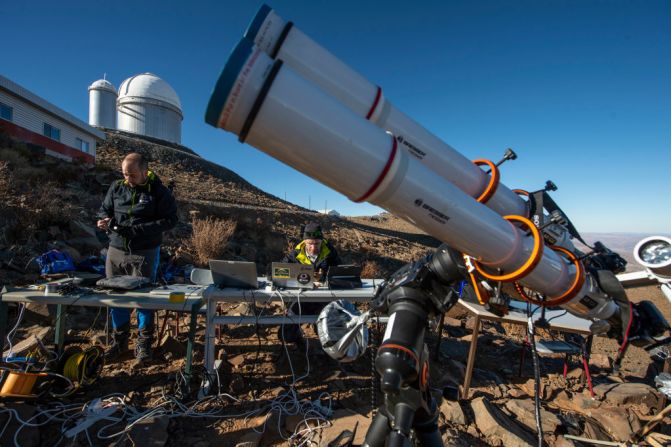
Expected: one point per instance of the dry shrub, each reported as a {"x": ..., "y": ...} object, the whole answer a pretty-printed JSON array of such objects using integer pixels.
[
  {"x": 210, "y": 238},
  {"x": 371, "y": 269}
]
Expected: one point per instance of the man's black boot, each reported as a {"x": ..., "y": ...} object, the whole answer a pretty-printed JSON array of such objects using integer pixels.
[
  {"x": 143, "y": 351},
  {"x": 119, "y": 344}
]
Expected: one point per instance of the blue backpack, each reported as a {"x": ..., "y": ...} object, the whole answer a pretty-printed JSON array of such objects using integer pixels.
[{"x": 55, "y": 261}]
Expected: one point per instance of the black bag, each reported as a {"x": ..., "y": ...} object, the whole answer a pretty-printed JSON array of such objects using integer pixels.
[{"x": 124, "y": 282}]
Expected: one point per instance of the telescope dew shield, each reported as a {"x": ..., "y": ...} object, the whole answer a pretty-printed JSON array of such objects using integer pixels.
[{"x": 282, "y": 40}]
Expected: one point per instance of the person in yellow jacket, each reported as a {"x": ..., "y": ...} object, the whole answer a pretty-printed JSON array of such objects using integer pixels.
[
  {"x": 318, "y": 252},
  {"x": 314, "y": 250}
]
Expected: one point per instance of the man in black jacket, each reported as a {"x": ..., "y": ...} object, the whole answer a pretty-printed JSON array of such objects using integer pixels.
[
  {"x": 136, "y": 211},
  {"x": 318, "y": 252}
]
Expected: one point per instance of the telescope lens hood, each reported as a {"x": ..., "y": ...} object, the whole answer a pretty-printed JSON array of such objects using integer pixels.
[
  {"x": 226, "y": 81},
  {"x": 256, "y": 23}
]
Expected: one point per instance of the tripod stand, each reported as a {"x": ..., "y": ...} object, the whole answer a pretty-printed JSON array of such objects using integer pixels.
[
  {"x": 409, "y": 412},
  {"x": 403, "y": 364}
]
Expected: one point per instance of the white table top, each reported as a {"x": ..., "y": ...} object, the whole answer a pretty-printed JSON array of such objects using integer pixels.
[
  {"x": 318, "y": 295},
  {"x": 132, "y": 299},
  {"x": 558, "y": 319}
]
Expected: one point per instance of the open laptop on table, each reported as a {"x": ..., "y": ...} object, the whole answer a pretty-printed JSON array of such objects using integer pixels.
[
  {"x": 292, "y": 276},
  {"x": 344, "y": 277},
  {"x": 236, "y": 274}
]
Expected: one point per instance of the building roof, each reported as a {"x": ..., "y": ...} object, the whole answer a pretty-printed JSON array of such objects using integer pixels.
[
  {"x": 27, "y": 95},
  {"x": 149, "y": 86},
  {"x": 103, "y": 84}
]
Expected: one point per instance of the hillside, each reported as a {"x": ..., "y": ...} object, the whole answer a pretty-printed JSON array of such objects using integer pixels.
[
  {"x": 60, "y": 211},
  {"x": 45, "y": 203}
]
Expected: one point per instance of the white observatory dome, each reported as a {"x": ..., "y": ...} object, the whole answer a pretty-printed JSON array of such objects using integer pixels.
[
  {"x": 149, "y": 86},
  {"x": 102, "y": 104},
  {"x": 147, "y": 105}
]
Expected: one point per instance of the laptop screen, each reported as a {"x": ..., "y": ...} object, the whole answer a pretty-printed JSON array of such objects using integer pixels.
[{"x": 238, "y": 274}]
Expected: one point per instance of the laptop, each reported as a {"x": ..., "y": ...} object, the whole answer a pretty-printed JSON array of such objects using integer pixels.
[
  {"x": 347, "y": 276},
  {"x": 237, "y": 274},
  {"x": 292, "y": 276}
]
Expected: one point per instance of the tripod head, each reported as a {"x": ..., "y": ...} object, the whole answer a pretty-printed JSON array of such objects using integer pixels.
[{"x": 429, "y": 282}]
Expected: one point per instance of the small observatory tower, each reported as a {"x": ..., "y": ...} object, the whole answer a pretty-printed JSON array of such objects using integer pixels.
[
  {"x": 102, "y": 104},
  {"x": 147, "y": 105}
]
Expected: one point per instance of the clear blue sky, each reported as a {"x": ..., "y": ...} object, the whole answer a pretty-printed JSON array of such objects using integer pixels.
[{"x": 580, "y": 89}]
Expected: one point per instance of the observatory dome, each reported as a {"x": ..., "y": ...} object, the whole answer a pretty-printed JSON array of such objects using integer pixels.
[
  {"x": 103, "y": 84},
  {"x": 102, "y": 104},
  {"x": 149, "y": 86},
  {"x": 147, "y": 105}
]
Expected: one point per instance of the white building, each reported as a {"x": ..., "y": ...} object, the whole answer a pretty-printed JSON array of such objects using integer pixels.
[
  {"x": 33, "y": 120},
  {"x": 147, "y": 105},
  {"x": 102, "y": 104}
]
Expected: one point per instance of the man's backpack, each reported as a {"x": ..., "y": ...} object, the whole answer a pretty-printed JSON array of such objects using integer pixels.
[{"x": 55, "y": 261}]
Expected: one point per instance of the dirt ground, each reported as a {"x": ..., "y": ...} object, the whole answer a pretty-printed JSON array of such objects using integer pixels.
[{"x": 261, "y": 378}]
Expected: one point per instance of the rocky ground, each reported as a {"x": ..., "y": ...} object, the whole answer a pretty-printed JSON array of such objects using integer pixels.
[{"x": 267, "y": 390}]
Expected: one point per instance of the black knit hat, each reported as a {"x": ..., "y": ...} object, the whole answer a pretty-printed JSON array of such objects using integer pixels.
[{"x": 312, "y": 231}]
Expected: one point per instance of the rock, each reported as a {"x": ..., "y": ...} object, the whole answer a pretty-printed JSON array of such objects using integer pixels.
[
  {"x": 449, "y": 321},
  {"x": 525, "y": 413},
  {"x": 494, "y": 424},
  {"x": 624, "y": 394},
  {"x": 575, "y": 402},
  {"x": 453, "y": 412},
  {"x": 171, "y": 345},
  {"x": 601, "y": 361},
  {"x": 250, "y": 439},
  {"x": 236, "y": 361},
  {"x": 28, "y": 436},
  {"x": 29, "y": 341},
  {"x": 346, "y": 420},
  {"x": 151, "y": 432},
  {"x": 618, "y": 422},
  {"x": 563, "y": 442},
  {"x": 80, "y": 229},
  {"x": 237, "y": 384}
]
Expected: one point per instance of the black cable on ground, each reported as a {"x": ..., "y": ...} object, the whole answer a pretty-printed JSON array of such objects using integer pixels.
[{"x": 537, "y": 382}]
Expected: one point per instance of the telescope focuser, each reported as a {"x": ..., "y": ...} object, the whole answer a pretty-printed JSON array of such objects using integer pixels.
[
  {"x": 550, "y": 186},
  {"x": 509, "y": 154}
]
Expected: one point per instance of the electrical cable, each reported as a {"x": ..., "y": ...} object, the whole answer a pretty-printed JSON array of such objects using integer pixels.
[{"x": 537, "y": 379}]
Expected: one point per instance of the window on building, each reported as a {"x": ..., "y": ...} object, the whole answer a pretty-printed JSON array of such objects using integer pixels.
[
  {"x": 83, "y": 145},
  {"x": 52, "y": 132},
  {"x": 6, "y": 112}
]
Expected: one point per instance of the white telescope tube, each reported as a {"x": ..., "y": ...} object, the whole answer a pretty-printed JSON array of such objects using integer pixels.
[
  {"x": 282, "y": 40},
  {"x": 277, "y": 111}
]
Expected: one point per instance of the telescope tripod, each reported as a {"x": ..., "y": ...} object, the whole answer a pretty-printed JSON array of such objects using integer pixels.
[{"x": 409, "y": 412}]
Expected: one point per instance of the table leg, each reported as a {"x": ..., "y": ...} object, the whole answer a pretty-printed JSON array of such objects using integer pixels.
[
  {"x": 471, "y": 358},
  {"x": 4, "y": 308},
  {"x": 192, "y": 338},
  {"x": 210, "y": 336},
  {"x": 59, "y": 338}
]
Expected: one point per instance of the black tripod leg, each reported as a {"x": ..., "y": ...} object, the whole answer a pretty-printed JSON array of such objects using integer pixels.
[
  {"x": 426, "y": 430},
  {"x": 378, "y": 431}
]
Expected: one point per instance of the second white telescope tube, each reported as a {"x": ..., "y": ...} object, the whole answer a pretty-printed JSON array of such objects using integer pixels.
[{"x": 282, "y": 40}]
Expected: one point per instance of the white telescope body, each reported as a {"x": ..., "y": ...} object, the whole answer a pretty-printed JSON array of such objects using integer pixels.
[
  {"x": 282, "y": 40},
  {"x": 277, "y": 111}
]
